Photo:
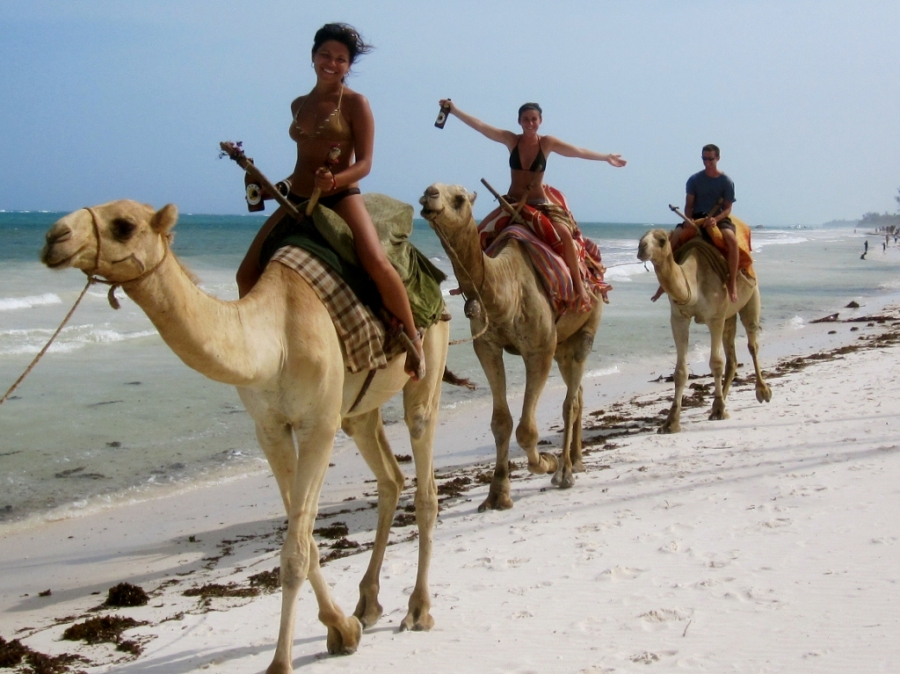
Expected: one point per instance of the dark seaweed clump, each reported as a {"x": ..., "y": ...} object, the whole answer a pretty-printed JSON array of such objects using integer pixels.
[{"x": 126, "y": 594}]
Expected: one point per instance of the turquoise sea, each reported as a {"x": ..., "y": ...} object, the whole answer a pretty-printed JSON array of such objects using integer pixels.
[{"x": 110, "y": 414}]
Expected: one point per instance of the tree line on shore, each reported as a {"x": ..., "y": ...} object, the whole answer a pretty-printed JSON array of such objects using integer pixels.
[{"x": 882, "y": 220}]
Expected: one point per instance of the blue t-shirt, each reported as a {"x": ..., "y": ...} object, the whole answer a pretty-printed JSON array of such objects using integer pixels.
[{"x": 707, "y": 191}]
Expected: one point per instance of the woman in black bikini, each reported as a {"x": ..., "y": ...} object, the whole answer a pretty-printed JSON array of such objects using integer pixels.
[
  {"x": 530, "y": 150},
  {"x": 334, "y": 115}
]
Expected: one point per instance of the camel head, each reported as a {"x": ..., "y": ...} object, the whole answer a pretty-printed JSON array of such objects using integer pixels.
[
  {"x": 654, "y": 246},
  {"x": 451, "y": 203},
  {"x": 118, "y": 241}
]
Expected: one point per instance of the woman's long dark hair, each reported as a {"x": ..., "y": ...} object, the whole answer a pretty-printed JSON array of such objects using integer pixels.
[{"x": 344, "y": 33}]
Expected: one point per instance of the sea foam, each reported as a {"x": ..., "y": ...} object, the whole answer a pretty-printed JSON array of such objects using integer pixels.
[{"x": 12, "y": 303}]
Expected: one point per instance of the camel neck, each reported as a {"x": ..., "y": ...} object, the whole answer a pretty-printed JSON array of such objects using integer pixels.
[{"x": 210, "y": 335}]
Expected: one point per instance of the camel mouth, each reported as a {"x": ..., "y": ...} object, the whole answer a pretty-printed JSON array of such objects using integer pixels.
[
  {"x": 428, "y": 213},
  {"x": 58, "y": 264}
]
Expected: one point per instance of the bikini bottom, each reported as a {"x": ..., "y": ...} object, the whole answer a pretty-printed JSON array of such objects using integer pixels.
[{"x": 329, "y": 201}]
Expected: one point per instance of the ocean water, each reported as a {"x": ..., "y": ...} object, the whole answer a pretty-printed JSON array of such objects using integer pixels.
[{"x": 110, "y": 414}]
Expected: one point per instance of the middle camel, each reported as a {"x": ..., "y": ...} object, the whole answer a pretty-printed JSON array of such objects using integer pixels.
[{"x": 521, "y": 320}]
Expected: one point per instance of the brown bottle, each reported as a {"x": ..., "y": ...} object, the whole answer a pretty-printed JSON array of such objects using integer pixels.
[
  {"x": 253, "y": 194},
  {"x": 442, "y": 116}
]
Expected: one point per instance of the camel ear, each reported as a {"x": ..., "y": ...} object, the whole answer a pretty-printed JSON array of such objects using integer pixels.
[
  {"x": 472, "y": 197},
  {"x": 164, "y": 219}
]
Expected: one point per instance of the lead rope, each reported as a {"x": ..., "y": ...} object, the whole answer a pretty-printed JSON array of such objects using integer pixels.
[
  {"x": 452, "y": 252},
  {"x": 89, "y": 283},
  {"x": 91, "y": 280}
]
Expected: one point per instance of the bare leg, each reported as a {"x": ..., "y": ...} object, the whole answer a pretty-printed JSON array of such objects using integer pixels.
[
  {"x": 249, "y": 271},
  {"x": 372, "y": 256}
]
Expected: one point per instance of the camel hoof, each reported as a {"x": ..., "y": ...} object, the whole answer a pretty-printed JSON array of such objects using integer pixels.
[
  {"x": 339, "y": 643},
  {"x": 718, "y": 415},
  {"x": 368, "y": 613},
  {"x": 577, "y": 466},
  {"x": 668, "y": 428},
  {"x": 563, "y": 479},
  {"x": 496, "y": 502},
  {"x": 417, "y": 623},
  {"x": 548, "y": 463},
  {"x": 763, "y": 394}
]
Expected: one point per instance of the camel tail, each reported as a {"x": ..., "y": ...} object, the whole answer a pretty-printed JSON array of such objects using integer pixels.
[{"x": 451, "y": 378}]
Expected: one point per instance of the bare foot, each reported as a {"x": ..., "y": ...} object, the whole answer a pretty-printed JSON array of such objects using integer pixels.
[
  {"x": 456, "y": 291},
  {"x": 657, "y": 294},
  {"x": 732, "y": 294}
]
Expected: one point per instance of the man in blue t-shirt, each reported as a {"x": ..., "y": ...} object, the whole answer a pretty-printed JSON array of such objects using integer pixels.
[{"x": 710, "y": 191}]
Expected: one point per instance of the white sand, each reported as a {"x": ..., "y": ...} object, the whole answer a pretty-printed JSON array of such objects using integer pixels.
[{"x": 764, "y": 543}]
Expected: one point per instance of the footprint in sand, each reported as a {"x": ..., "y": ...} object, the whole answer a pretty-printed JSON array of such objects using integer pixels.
[
  {"x": 659, "y": 619},
  {"x": 618, "y": 573}
]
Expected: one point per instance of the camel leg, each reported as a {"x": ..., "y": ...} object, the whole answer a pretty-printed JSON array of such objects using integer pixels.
[
  {"x": 750, "y": 319},
  {"x": 681, "y": 333},
  {"x": 717, "y": 367},
  {"x": 422, "y": 400},
  {"x": 344, "y": 633},
  {"x": 367, "y": 432},
  {"x": 570, "y": 357},
  {"x": 491, "y": 359},
  {"x": 299, "y": 556},
  {"x": 537, "y": 369},
  {"x": 728, "y": 335}
]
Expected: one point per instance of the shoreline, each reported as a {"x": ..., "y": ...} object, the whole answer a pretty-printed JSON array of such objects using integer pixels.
[
  {"x": 232, "y": 528},
  {"x": 602, "y": 386}
]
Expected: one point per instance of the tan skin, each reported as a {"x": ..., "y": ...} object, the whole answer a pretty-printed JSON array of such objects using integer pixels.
[
  {"x": 530, "y": 143},
  {"x": 678, "y": 236},
  {"x": 331, "y": 63}
]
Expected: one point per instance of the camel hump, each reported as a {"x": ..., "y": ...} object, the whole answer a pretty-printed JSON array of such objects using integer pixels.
[{"x": 707, "y": 253}]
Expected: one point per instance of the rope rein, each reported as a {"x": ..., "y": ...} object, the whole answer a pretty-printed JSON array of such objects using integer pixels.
[
  {"x": 41, "y": 353},
  {"x": 476, "y": 288}
]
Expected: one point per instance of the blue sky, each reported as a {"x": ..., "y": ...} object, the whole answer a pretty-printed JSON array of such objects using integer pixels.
[{"x": 108, "y": 99}]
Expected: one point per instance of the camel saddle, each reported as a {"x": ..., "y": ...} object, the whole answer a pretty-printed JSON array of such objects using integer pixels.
[
  {"x": 327, "y": 236},
  {"x": 714, "y": 236}
]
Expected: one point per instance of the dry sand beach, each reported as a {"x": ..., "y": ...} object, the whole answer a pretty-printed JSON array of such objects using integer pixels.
[{"x": 763, "y": 543}]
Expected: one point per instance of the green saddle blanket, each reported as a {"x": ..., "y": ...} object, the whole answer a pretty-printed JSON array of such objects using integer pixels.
[{"x": 327, "y": 236}]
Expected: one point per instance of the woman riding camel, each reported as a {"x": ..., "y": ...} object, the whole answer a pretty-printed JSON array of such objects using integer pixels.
[
  {"x": 329, "y": 118},
  {"x": 547, "y": 206}
]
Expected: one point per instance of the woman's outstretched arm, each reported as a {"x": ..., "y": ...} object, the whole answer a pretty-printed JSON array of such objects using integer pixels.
[
  {"x": 507, "y": 138},
  {"x": 553, "y": 144}
]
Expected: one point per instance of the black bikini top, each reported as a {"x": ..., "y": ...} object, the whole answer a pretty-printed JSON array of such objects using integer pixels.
[{"x": 539, "y": 165}]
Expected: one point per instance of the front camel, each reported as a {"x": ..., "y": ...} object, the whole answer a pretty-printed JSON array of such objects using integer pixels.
[
  {"x": 520, "y": 320},
  {"x": 278, "y": 345},
  {"x": 695, "y": 285}
]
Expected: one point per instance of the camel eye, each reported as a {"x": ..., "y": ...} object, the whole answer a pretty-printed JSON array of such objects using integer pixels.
[
  {"x": 122, "y": 229},
  {"x": 661, "y": 239},
  {"x": 458, "y": 201}
]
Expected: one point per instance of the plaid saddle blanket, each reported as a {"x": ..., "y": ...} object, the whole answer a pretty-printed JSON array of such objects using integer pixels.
[{"x": 366, "y": 343}]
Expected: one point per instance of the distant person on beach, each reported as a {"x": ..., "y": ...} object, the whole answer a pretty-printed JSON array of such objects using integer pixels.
[
  {"x": 865, "y": 250},
  {"x": 333, "y": 115},
  {"x": 528, "y": 153},
  {"x": 710, "y": 191}
]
